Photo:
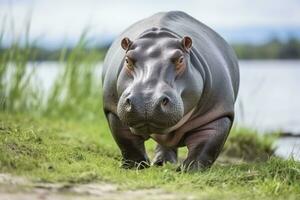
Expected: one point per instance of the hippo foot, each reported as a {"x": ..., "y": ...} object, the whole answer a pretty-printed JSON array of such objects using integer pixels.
[
  {"x": 164, "y": 155},
  {"x": 192, "y": 166},
  {"x": 130, "y": 164}
]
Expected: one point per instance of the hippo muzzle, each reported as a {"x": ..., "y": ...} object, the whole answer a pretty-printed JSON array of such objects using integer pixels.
[{"x": 150, "y": 109}]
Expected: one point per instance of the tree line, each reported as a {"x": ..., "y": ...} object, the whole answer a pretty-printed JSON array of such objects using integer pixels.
[{"x": 273, "y": 49}]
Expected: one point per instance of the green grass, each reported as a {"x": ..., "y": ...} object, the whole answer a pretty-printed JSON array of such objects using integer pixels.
[
  {"x": 76, "y": 92},
  {"x": 55, "y": 150}
]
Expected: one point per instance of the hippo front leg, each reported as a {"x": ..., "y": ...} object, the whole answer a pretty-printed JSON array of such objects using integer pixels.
[
  {"x": 164, "y": 154},
  {"x": 205, "y": 144},
  {"x": 132, "y": 146}
]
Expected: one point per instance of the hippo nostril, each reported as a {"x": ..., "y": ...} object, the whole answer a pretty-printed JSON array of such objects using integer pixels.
[
  {"x": 128, "y": 104},
  {"x": 165, "y": 101},
  {"x": 128, "y": 101}
]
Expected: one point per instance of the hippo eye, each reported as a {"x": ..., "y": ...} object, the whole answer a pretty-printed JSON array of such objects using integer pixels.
[
  {"x": 129, "y": 63},
  {"x": 180, "y": 60},
  {"x": 180, "y": 65}
]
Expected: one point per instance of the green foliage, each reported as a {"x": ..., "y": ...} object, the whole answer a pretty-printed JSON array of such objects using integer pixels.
[
  {"x": 249, "y": 145},
  {"x": 15, "y": 78},
  {"x": 39, "y": 53},
  {"x": 76, "y": 92},
  {"x": 274, "y": 49}
]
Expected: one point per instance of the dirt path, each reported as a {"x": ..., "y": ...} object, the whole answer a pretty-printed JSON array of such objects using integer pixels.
[{"x": 15, "y": 188}]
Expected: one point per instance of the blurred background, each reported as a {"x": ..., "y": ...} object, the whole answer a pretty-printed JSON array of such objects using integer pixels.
[{"x": 51, "y": 53}]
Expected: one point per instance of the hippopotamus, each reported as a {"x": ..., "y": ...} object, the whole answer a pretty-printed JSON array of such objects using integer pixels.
[{"x": 173, "y": 79}]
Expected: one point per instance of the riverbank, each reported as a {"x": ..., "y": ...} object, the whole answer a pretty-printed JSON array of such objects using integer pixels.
[{"x": 68, "y": 152}]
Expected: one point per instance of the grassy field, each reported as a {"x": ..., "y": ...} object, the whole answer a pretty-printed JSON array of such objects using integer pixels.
[
  {"x": 57, "y": 150},
  {"x": 64, "y": 138}
]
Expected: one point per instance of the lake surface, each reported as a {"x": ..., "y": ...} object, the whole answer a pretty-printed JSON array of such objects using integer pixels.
[{"x": 269, "y": 97}]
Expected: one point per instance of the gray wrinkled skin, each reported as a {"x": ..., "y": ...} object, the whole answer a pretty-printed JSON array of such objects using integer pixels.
[{"x": 200, "y": 101}]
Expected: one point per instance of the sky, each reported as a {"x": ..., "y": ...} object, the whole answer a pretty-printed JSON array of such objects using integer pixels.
[{"x": 57, "y": 21}]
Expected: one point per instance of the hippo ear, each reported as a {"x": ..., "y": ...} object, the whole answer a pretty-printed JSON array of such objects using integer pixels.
[
  {"x": 125, "y": 43},
  {"x": 187, "y": 43}
]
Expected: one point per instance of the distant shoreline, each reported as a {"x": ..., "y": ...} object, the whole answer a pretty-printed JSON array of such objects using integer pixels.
[{"x": 274, "y": 49}]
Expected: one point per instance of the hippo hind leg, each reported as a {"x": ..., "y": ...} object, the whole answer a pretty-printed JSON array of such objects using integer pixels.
[{"x": 164, "y": 154}]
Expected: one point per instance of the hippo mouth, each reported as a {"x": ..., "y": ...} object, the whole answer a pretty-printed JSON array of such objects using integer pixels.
[{"x": 146, "y": 128}]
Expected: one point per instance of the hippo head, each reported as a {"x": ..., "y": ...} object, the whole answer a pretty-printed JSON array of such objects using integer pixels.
[{"x": 156, "y": 86}]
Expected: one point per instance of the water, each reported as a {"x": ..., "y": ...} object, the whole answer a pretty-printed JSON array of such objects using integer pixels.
[
  {"x": 269, "y": 95},
  {"x": 269, "y": 98}
]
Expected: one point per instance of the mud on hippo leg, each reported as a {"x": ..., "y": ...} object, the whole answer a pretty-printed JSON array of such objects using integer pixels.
[
  {"x": 164, "y": 155},
  {"x": 132, "y": 146},
  {"x": 205, "y": 144}
]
